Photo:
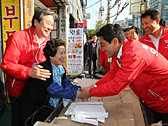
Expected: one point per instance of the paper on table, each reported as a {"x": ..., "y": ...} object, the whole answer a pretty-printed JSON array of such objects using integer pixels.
[
  {"x": 101, "y": 120},
  {"x": 70, "y": 109},
  {"x": 85, "y": 106},
  {"x": 90, "y": 121},
  {"x": 100, "y": 116},
  {"x": 83, "y": 111}
]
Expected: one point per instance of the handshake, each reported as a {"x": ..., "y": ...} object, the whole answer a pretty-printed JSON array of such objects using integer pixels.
[{"x": 83, "y": 93}]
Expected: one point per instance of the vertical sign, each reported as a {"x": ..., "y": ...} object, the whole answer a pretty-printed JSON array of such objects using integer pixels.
[
  {"x": 28, "y": 13},
  {"x": 75, "y": 51},
  {"x": 62, "y": 24},
  {"x": 85, "y": 25},
  {"x": 10, "y": 19}
]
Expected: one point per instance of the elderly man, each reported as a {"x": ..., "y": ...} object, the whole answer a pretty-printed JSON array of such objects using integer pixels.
[
  {"x": 23, "y": 53},
  {"x": 136, "y": 65}
]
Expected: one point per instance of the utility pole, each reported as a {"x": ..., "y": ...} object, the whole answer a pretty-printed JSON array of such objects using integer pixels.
[
  {"x": 101, "y": 10},
  {"x": 108, "y": 12}
]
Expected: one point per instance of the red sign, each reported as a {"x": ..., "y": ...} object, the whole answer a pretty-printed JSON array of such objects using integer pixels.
[
  {"x": 85, "y": 25},
  {"x": 79, "y": 25}
]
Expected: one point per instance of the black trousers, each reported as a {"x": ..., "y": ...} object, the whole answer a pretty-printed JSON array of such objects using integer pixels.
[
  {"x": 26, "y": 112},
  {"x": 93, "y": 60},
  {"x": 16, "y": 110},
  {"x": 155, "y": 117},
  {"x": 85, "y": 59}
]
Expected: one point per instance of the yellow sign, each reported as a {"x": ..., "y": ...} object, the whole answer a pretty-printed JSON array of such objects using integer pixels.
[
  {"x": 10, "y": 19},
  {"x": 28, "y": 13},
  {"x": 55, "y": 11}
]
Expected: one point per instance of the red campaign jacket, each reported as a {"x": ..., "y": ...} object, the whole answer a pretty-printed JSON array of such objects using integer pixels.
[
  {"x": 104, "y": 59},
  {"x": 163, "y": 42},
  {"x": 18, "y": 59},
  {"x": 144, "y": 70}
]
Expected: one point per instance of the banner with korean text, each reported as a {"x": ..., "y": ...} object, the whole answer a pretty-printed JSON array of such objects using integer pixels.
[
  {"x": 10, "y": 19},
  {"x": 28, "y": 12},
  {"x": 75, "y": 51}
]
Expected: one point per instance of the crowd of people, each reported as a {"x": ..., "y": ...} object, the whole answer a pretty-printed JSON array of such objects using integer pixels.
[
  {"x": 95, "y": 57},
  {"x": 130, "y": 33},
  {"x": 35, "y": 74}
]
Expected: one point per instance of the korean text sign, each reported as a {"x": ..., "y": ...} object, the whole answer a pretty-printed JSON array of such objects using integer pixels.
[
  {"x": 75, "y": 51},
  {"x": 10, "y": 19}
]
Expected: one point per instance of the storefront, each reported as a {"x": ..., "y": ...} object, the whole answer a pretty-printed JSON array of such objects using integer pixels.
[{"x": 17, "y": 15}]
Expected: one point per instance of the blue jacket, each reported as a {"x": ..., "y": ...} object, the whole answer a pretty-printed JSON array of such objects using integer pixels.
[{"x": 67, "y": 90}]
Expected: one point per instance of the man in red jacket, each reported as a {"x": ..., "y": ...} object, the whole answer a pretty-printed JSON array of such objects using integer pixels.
[
  {"x": 136, "y": 65},
  {"x": 24, "y": 50},
  {"x": 126, "y": 33},
  {"x": 104, "y": 61},
  {"x": 134, "y": 33},
  {"x": 156, "y": 35}
]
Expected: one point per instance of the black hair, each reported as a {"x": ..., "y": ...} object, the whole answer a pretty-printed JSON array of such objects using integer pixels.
[
  {"x": 137, "y": 30},
  {"x": 39, "y": 14},
  {"x": 90, "y": 37},
  {"x": 126, "y": 29},
  {"x": 153, "y": 13},
  {"x": 52, "y": 47},
  {"x": 111, "y": 31},
  {"x": 163, "y": 22}
]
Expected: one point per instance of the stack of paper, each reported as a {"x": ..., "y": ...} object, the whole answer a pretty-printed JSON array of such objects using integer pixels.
[{"x": 87, "y": 112}]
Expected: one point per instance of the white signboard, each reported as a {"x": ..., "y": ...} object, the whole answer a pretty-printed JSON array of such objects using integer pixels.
[
  {"x": 75, "y": 51},
  {"x": 137, "y": 6},
  {"x": 62, "y": 20}
]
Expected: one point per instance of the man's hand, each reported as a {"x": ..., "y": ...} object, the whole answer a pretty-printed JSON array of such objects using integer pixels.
[
  {"x": 39, "y": 73},
  {"x": 84, "y": 93},
  {"x": 101, "y": 68}
]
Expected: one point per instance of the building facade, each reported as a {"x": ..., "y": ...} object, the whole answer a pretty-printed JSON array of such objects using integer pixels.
[
  {"x": 126, "y": 23},
  {"x": 161, "y": 6}
]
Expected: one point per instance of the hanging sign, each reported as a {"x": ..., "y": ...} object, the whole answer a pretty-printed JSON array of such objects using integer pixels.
[{"x": 75, "y": 51}]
